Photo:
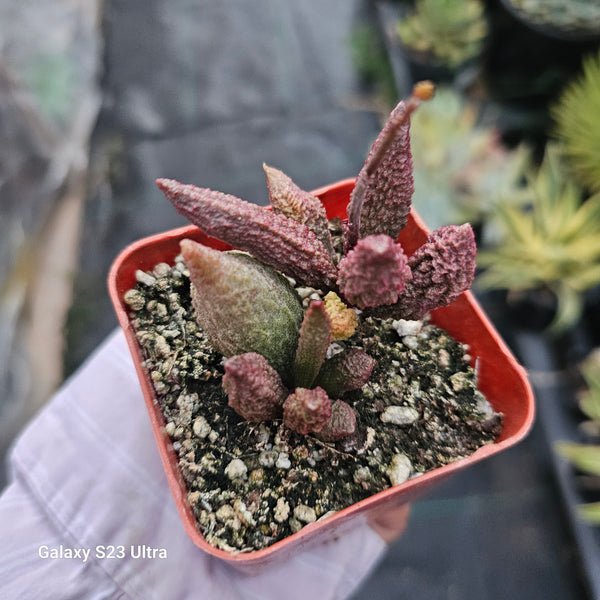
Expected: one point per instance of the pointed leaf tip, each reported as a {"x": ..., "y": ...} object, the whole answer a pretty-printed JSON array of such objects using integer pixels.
[
  {"x": 314, "y": 339},
  {"x": 290, "y": 200},
  {"x": 255, "y": 390},
  {"x": 274, "y": 239},
  {"x": 382, "y": 195}
]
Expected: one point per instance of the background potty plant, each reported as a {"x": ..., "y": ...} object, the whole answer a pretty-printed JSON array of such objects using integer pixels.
[
  {"x": 577, "y": 116},
  {"x": 551, "y": 243},
  {"x": 277, "y": 363},
  {"x": 450, "y": 31},
  {"x": 586, "y": 457}
]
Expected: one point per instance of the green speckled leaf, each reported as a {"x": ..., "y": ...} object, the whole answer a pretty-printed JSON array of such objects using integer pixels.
[{"x": 243, "y": 305}]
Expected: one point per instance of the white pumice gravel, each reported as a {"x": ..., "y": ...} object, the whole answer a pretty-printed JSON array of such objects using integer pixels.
[
  {"x": 404, "y": 327},
  {"x": 399, "y": 415},
  {"x": 400, "y": 469},
  {"x": 236, "y": 469}
]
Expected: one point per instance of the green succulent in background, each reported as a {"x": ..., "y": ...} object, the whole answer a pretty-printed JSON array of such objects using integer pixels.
[
  {"x": 452, "y": 31},
  {"x": 460, "y": 167},
  {"x": 551, "y": 243},
  {"x": 590, "y": 400},
  {"x": 577, "y": 116},
  {"x": 586, "y": 457}
]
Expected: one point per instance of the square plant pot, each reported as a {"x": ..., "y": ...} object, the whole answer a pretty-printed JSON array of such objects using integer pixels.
[{"x": 501, "y": 379}]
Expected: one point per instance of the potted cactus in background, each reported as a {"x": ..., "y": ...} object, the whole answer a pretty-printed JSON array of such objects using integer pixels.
[
  {"x": 548, "y": 246},
  {"x": 586, "y": 456},
  {"x": 297, "y": 380},
  {"x": 577, "y": 123},
  {"x": 444, "y": 33}
]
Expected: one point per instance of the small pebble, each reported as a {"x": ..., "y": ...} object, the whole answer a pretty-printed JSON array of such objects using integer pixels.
[
  {"x": 236, "y": 469},
  {"x": 444, "y": 358},
  {"x": 399, "y": 415},
  {"x": 201, "y": 427},
  {"x": 304, "y": 292},
  {"x": 411, "y": 341},
  {"x": 161, "y": 270},
  {"x": 135, "y": 299},
  {"x": 243, "y": 514},
  {"x": 400, "y": 469},
  {"x": 161, "y": 347},
  {"x": 170, "y": 428},
  {"x": 283, "y": 461},
  {"x": 404, "y": 327},
  {"x": 257, "y": 476},
  {"x": 295, "y": 525},
  {"x": 282, "y": 510},
  {"x": 267, "y": 459},
  {"x": 304, "y": 513},
  {"x": 225, "y": 512},
  {"x": 144, "y": 278},
  {"x": 459, "y": 381}
]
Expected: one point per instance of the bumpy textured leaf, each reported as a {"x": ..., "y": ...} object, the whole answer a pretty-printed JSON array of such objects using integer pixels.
[
  {"x": 315, "y": 337},
  {"x": 243, "y": 305},
  {"x": 348, "y": 370},
  {"x": 442, "y": 268},
  {"x": 341, "y": 424},
  {"x": 381, "y": 198},
  {"x": 374, "y": 272},
  {"x": 343, "y": 319},
  {"x": 292, "y": 201},
  {"x": 307, "y": 411},
  {"x": 273, "y": 239},
  {"x": 254, "y": 389}
]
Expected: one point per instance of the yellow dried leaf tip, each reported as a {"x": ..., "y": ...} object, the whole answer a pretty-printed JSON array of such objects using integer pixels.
[
  {"x": 343, "y": 319},
  {"x": 424, "y": 90}
]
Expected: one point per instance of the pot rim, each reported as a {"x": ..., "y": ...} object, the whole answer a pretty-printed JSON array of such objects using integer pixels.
[{"x": 499, "y": 372}]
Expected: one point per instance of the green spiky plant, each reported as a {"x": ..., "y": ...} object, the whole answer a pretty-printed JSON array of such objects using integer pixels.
[
  {"x": 577, "y": 116},
  {"x": 451, "y": 31},
  {"x": 586, "y": 457},
  {"x": 553, "y": 243}
]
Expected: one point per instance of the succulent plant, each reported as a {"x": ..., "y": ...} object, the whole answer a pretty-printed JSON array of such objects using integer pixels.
[
  {"x": 442, "y": 268},
  {"x": 586, "y": 457},
  {"x": 577, "y": 117},
  {"x": 552, "y": 243},
  {"x": 278, "y": 364},
  {"x": 451, "y": 31},
  {"x": 266, "y": 309}
]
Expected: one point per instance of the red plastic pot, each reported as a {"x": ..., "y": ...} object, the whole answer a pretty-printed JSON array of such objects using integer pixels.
[{"x": 501, "y": 379}]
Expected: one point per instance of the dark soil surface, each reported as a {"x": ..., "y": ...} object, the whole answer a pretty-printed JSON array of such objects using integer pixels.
[{"x": 251, "y": 484}]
